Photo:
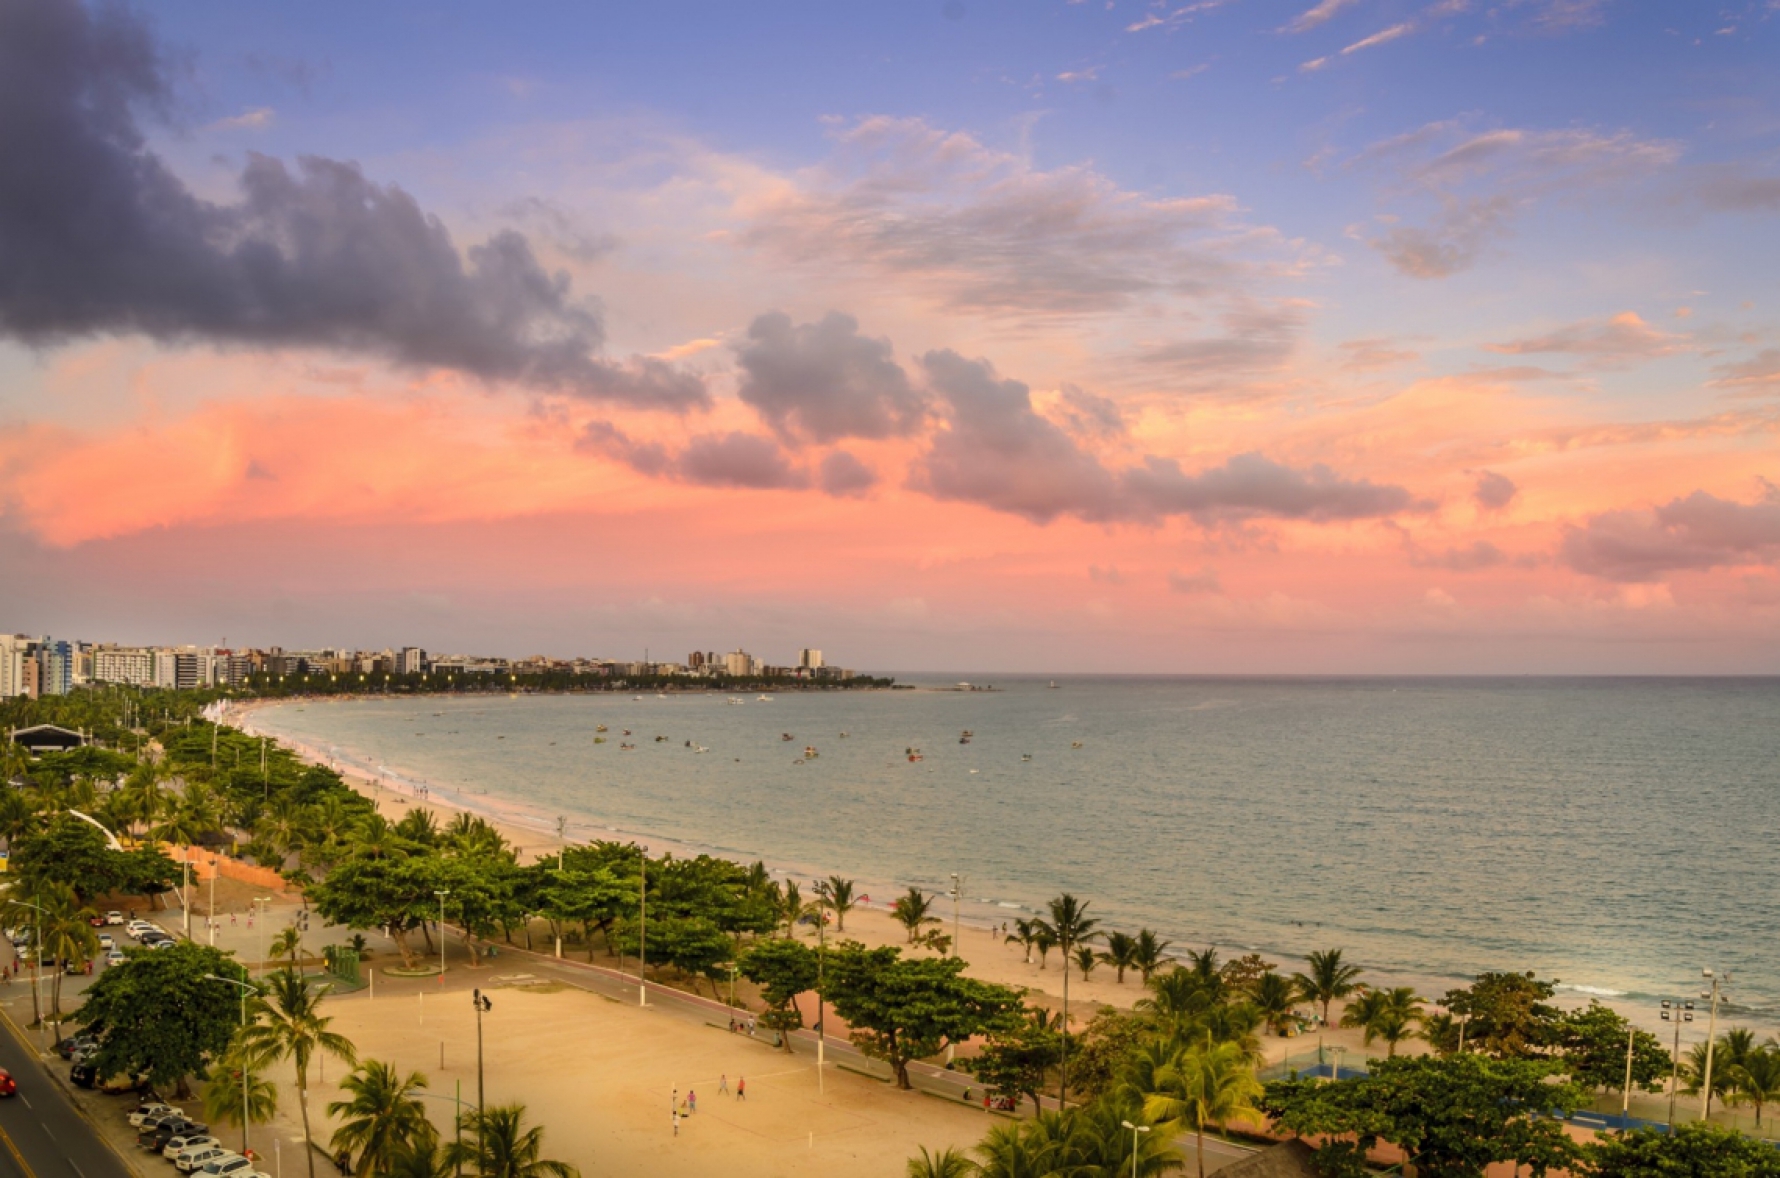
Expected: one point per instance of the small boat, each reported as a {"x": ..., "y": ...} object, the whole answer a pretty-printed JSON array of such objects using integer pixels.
[
  {"x": 786, "y": 736},
  {"x": 809, "y": 752},
  {"x": 964, "y": 740},
  {"x": 736, "y": 699},
  {"x": 626, "y": 746},
  {"x": 1053, "y": 685},
  {"x": 627, "y": 732},
  {"x": 1075, "y": 744},
  {"x": 765, "y": 699},
  {"x": 599, "y": 728},
  {"x": 599, "y": 740},
  {"x": 660, "y": 739},
  {"x": 1025, "y": 756}
]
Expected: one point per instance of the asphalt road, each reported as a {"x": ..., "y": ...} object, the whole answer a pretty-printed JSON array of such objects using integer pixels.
[{"x": 54, "y": 1140}]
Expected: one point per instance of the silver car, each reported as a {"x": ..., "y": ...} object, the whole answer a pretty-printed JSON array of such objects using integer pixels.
[{"x": 192, "y": 1144}]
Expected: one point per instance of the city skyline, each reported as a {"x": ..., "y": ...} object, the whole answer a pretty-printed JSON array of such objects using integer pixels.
[{"x": 1361, "y": 336}]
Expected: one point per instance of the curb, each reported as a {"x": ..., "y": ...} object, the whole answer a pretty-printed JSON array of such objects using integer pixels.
[{"x": 74, "y": 1102}]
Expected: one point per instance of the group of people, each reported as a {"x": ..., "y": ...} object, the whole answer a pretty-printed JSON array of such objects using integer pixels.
[{"x": 689, "y": 1106}]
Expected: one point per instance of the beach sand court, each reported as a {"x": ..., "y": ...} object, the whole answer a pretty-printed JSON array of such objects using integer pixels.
[{"x": 600, "y": 1076}]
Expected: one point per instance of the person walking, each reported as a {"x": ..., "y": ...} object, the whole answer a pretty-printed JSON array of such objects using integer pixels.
[
  {"x": 741, "y": 1088},
  {"x": 676, "y": 1120},
  {"x": 691, "y": 1100}
]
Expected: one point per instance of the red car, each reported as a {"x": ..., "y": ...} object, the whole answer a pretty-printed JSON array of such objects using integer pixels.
[{"x": 8, "y": 1085}]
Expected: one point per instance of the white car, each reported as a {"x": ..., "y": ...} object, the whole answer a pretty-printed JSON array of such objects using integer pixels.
[
  {"x": 106, "y": 943},
  {"x": 204, "y": 1157},
  {"x": 192, "y": 1144},
  {"x": 115, "y": 957},
  {"x": 114, "y": 917},
  {"x": 143, "y": 1112},
  {"x": 232, "y": 1166}
]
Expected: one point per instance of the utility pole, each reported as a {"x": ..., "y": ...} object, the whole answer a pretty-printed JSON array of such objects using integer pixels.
[
  {"x": 642, "y": 924},
  {"x": 1677, "y": 1012},
  {"x": 1711, "y": 1039},
  {"x": 482, "y": 1005},
  {"x": 1625, "y": 1104}
]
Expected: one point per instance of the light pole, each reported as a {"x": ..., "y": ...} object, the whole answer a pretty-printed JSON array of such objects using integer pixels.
[
  {"x": 957, "y": 887},
  {"x": 1711, "y": 1038},
  {"x": 1677, "y": 1012},
  {"x": 642, "y": 924},
  {"x": 36, "y": 960},
  {"x": 457, "y": 1100},
  {"x": 245, "y": 991},
  {"x": 1135, "y": 1131},
  {"x": 442, "y": 896},
  {"x": 264, "y": 905},
  {"x": 482, "y": 1004}
]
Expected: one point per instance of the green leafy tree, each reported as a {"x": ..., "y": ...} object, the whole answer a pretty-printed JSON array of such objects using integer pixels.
[
  {"x": 691, "y": 944},
  {"x": 1508, "y": 1015},
  {"x": 284, "y": 1022},
  {"x": 1694, "y": 1150},
  {"x": 1384, "y": 1014},
  {"x": 395, "y": 895},
  {"x": 1452, "y": 1116},
  {"x": 902, "y": 1010},
  {"x": 1327, "y": 977},
  {"x": 1017, "y": 1057},
  {"x": 1593, "y": 1041},
  {"x": 157, "y": 1015},
  {"x": 783, "y": 969},
  {"x": 381, "y": 1117},
  {"x": 499, "y": 1144},
  {"x": 68, "y": 851},
  {"x": 65, "y": 934}
]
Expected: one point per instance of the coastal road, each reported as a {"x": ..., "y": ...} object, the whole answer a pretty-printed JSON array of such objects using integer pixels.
[{"x": 52, "y": 1139}]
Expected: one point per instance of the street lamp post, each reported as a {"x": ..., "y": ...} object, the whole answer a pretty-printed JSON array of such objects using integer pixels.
[
  {"x": 245, "y": 991},
  {"x": 458, "y": 1100},
  {"x": 1711, "y": 1038},
  {"x": 1677, "y": 1012},
  {"x": 442, "y": 896},
  {"x": 1135, "y": 1131},
  {"x": 482, "y": 1005},
  {"x": 36, "y": 960},
  {"x": 264, "y": 905},
  {"x": 642, "y": 924},
  {"x": 957, "y": 887}
]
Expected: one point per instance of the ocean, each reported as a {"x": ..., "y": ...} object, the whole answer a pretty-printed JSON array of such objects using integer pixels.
[{"x": 1616, "y": 834}]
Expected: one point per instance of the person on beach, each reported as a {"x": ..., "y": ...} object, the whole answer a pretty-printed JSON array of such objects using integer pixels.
[
  {"x": 741, "y": 1088},
  {"x": 691, "y": 1100},
  {"x": 723, "y": 1083},
  {"x": 676, "y": 1120}
]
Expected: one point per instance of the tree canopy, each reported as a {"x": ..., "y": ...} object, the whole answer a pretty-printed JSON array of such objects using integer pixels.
[{"x": 158, "y": 1015}]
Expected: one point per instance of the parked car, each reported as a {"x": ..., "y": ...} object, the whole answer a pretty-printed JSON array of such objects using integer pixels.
[
  {"x": 166, "y": 1133},
  {"x": 114, "y": 917},
  {"x": 106, "y": 942},
  {"x": 233, "y": 1166},
  {"x": 164, "y": 943},
  {"x": 115, "y": 957},
  {"x": 8, "y": 1085},
  {"x": 148, "y": 1125},
  {"x": 67, "y": 1047},
  {"x": 205, "y": 1158},
  {"x": 188, "y": 1143},
  {"x": 148, "y": 1108}
]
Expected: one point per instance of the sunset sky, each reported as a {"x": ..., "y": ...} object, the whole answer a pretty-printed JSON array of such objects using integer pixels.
[{"x": 1221, "y": 336}]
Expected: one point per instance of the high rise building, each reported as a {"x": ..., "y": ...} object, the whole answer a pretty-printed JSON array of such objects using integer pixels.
[
  {"x": 411, "y": 660},
  {"x": 809, "y": 659},
  {"x": 14, "y": 649},
  {"x": 124, "y": 665},
  {"x": 739, "y": 663},
  {"x": 55, "y": 662}
]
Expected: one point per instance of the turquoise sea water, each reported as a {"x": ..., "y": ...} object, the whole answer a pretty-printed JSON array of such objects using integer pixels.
[{"x": 1616, "y": 834}]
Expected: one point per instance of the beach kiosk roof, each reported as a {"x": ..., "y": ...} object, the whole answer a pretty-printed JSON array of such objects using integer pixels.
[
  {"x": 47, "y": 738},
  {"x": 1288, "y": 1159}
]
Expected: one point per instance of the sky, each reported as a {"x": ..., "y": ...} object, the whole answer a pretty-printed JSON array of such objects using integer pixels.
[{"x": 1209, "y": 336}]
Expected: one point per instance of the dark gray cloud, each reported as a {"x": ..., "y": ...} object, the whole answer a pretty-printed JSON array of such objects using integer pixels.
[
  {"x": 1251, "y": 486},
  {"x": 1699, "y": 532},
  {"x": 824, "y": 381},
  {"x": 1494, "y": 491},
  {"x": 996, "y": 450},
  {"x": 712, "y": 460},
  {"x": 1480, "y": 554},
  {"x": 98, "y": 236},
  {"x": 843, "y": 475},
  {"x": 738, "y": 460},
  {"x": 1203, "y": 581},
  {"x": 1088, "y": 415},
  {"x": 1256, "y": 338}
]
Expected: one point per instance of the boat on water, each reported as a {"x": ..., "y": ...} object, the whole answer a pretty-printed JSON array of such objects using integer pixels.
[
  {"x": 786, "y": 736},
  {"x": 599, "y": 727},
  {"x": 809, "y": 752},
  {"x": 1075, "y": 744},
  {"x": 765, "y": 699},
  {"x": 1053, "y": 685},
  {"x": 736, "y": 699},
  {"x": 913, "y": 754}
]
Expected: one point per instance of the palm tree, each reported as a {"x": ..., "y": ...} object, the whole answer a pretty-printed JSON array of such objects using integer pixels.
[
  {"x": 837, "y": 894},
  {"x": 502, "y": 1146},
  {"x": 288, "y": 944},
  {"x": 382, "y": 1117},
  {"x": 1207, "y": 973},
  {"x": 791, "y": 905},
  {"x": 419, "y": 826},
  {"x": 1693, "y": 1070},
  {"x": 224, "y": 1093},
  {"x": 912, "y": 910},
  {"x": 284, "y": 1023},
  {"x": 1208, "y": 1084},
  {"x": 1274, "y": 997},
  {"x": 65, "y": 933},
  {"x": 423, "y": 1159},
  {"x": 1120, "y": 953},
  {"x": 1385, "y": 1014},
  {"x": 1072, "y": 924},
  {"x": 943, "y": 1163},
  {"x": 1044, "y": 939},
  {"x": 1023, "y": 934},
  {"x": 1442, "y": 1033},
  {"x": 1758, "y": 1078},
  {"x": 1085, "y": 960},
  {"x": 1148, "y": 958},
  {"x": 1326, "y": 979},
  {"x": 1025, "y": 1149}
]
